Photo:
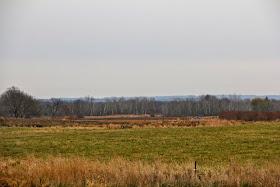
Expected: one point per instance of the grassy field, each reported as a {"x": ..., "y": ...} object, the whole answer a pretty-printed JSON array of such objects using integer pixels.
[
  {"x": 160, "y": 153},
  {"x": 208, "y": 145}
]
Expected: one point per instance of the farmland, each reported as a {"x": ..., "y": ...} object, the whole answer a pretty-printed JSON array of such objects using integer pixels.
[{"x": 171, "y": 145}]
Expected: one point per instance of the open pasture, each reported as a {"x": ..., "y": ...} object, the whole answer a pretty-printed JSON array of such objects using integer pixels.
[
  {"x": 209, "y": 145},
  {"x": 229, "y": 153}
]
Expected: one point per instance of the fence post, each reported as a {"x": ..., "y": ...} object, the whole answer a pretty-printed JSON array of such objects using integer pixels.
[{"x": 195, "y": 169}]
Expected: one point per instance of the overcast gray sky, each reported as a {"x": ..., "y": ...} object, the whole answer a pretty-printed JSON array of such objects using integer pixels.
[{"x": 74, "y": 48}]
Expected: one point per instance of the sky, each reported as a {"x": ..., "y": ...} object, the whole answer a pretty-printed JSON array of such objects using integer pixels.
[{"x": 103, "y": 48}]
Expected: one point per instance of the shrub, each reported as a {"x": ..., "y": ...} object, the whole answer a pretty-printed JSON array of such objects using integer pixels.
[{"x": 249, "y": 116}]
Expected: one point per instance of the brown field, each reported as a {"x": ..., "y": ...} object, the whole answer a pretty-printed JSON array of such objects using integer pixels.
[
  {"x": 131, "y": 116},
  {"x": 120, "y": 121}
]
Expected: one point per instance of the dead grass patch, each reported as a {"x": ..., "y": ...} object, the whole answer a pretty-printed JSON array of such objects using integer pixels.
[
  {"x": 128, "y": 123},
  {"x": 120, "y": 172}
]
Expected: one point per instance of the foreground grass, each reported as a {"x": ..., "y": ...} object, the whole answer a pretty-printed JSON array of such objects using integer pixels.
[
  {"x": 210, "y": 146},
  {"x": 119, "y": 172}
]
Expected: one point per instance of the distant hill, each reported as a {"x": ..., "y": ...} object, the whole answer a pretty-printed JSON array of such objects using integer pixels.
[{"x": 180, "y": 97}]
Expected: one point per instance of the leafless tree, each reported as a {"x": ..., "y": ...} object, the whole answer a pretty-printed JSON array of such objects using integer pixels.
[
  {"x": 19, "y": 103},
  {"x": 55, "y": 105},
  {"x": 90, "y": 105}
]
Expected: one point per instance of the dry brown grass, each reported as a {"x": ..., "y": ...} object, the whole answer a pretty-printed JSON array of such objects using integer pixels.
[
  {"x": 119, "y": 172},
  {"x": 121, "y": 116},
  {"x": 119, "y": 123}
]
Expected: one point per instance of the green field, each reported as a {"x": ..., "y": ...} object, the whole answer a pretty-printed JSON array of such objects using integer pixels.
[{"x": 208, "y": 145}]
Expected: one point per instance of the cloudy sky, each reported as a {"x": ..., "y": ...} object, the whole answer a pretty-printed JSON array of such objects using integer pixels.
[{"x": 74, "y": 48}]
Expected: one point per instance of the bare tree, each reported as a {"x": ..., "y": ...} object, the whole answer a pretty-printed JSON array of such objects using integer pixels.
[
  {"x": 55, "y": 105},
  {"x": 19, "y": 103},
  {"x": 80, "y": 108},
  {"x": 90, "y": 105}
]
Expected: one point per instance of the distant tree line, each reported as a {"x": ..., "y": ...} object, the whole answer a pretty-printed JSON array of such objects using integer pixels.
[{"x": 16, "y": 103}]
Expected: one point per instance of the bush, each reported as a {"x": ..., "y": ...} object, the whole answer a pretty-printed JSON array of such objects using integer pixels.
[
  {"x": 249, "y": 116},
  {"x": 2, "y": 122}
]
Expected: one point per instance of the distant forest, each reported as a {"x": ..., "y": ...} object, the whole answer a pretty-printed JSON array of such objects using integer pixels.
[{"x": 16, "y": 103}]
